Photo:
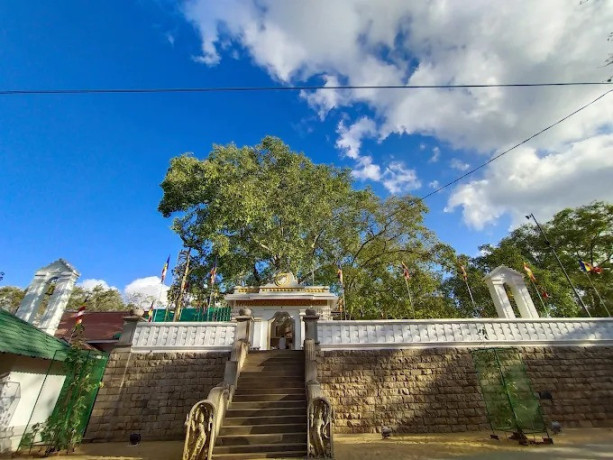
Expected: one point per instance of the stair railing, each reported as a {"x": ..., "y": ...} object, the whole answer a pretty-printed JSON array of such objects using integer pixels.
[
  {"x": 205, "y": 418},
  {"x": 319, "y": 410}
]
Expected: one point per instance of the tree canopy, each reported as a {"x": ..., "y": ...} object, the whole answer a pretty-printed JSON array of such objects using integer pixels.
[
  {"x": 262, "y": 209},
  {"x": 584, "y": 233}
]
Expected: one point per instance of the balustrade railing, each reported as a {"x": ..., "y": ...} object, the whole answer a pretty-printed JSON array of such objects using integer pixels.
[
  {"x": 196, "y": 336},
  {"x": 464, "y": 332}
]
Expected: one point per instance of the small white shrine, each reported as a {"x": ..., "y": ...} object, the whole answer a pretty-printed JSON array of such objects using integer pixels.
[
  {"x": 496, "y": 281},
  {"x": 278, "y": 309}
]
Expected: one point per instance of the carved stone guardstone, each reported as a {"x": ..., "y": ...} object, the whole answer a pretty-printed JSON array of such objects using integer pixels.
[
  {"x": 495, "y": 282},
  {"x": 57, "y": 281}
]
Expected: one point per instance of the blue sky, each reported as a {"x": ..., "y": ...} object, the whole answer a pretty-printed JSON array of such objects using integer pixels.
[{"x": 80, "y": 174}]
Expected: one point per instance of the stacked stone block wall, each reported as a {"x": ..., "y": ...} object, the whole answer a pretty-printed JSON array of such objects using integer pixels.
[
  {"x": 152, "y": 393},
  {"x": 580, "y": 380},
  {"x": 436, "y": 390}
]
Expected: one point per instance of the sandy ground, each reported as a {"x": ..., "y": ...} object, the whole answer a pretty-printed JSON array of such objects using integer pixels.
[{"x": 572, "y": 444}]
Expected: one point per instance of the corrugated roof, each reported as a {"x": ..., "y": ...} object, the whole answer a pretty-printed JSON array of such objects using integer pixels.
[
  {"x": 21, "y": 338},
  {"x": 97, "y": 325}
]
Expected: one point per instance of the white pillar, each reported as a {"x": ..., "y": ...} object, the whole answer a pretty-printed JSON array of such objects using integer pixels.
[
  {"x": 57, "y": 303},
  {"x": 256, "y": 338},
  {"x": 296, "y": 317},
  {"x": 524, "y": 301},
  {"x": 31, "y": 302},
  {"x": 501, "y": 300}
]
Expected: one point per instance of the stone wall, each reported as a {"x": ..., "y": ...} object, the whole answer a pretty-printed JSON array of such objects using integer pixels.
[
  {"x": 436, "y": 390},
  {"x": 152, "y": 393},
  {"x": 580, "y": 380}
]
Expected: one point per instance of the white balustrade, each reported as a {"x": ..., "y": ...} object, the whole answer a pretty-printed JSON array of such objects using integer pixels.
[
  {"x": 184, "y": 336},
  {"x": 464, "y": 333}
]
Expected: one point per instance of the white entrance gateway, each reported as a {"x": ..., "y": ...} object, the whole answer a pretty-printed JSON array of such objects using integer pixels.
[{"x": 278, "y": 309}]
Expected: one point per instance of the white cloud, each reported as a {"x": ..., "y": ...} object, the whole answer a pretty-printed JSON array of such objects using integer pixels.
[
  {"x": 528, "y": 182},
  {"x": 361, "y": 42},
  {"x": 90, "y": 284},
  {"x": 350, "y": 138},
  {"x": 458, "y": 165},
  {"x": 434, "y": 184},
  {"x": 143, "y": 291},
  {"x": 436, "y": 154},
  {"x": 397, "y": 178}
]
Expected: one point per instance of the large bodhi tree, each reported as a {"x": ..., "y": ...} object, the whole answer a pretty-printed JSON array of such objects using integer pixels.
[{"x": 262, "y": 209}]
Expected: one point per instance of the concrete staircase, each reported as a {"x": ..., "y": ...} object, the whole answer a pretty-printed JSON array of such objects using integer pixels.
[{"x": 267, "y": 417}]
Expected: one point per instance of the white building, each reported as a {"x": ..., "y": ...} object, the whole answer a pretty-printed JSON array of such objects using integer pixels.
[{"x": 278, "y": 309}]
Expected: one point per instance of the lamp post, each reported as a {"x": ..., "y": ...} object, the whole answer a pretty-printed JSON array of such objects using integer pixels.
[{"x": 548, "y": 243}]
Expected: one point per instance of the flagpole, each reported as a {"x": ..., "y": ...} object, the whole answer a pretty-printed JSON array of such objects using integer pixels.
[
  {"x": 596, "y": 291},
  {"x": 406, "y": 281},
  {"x": 470, "y": 293},
  {"x": 213, "y": 274},
  {"x": 548, "y": 243},
  {"x": 406, "y": 275},
  {"x": 545, "y": 309}
]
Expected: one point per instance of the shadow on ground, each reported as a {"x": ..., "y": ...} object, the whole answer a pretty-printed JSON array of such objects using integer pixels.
[{"x": 594, "y": 443}]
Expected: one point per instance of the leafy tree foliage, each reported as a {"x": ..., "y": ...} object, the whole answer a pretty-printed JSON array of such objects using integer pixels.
[
  {"x": 263, "y": 209},
  {"x": 98, "y": 299},
  {"x": 584, "y": 233},
  {"x": 11, "y": 297}
]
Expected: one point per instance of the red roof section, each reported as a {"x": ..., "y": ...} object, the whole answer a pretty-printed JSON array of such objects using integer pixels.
[{"x": 98, "y": 325}]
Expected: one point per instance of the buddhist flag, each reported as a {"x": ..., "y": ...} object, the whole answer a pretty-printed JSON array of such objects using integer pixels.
[
  {"x": 339, "y": 273},
  {"x": 464, "y": 274},
  {"x": 165, "y": 269},
  {"x": 80, "y": 313},
  {"x": 597, "y": 270},
  {"x": 214, "y": 272},
  {"x": 405, "y": 272},
  {"x": 585, "y": 266},
  {"x": 528, "y": 270},
  {"x": 544, "y": 294}
]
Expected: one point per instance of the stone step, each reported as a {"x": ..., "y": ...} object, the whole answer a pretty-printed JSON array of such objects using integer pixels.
[
  {"x": 269, "y": 397},
  {"x": 246, "y": 390},
  {"x": 261, "y": 455},
  {"x": 264, "y": 417},
  {"x": 271, "y": 376},
  {"x": 263, "y": 438},
  {"x": 272, "y": 371},
  {"x": 265, "y": 411},
  {"x": 256, "y": 449},
  {"x": 267, "y": 366},
  {"x": 274, "y": 426},
  {"x": 287, "y": 380},
  {"x": 268, "y": 404}
]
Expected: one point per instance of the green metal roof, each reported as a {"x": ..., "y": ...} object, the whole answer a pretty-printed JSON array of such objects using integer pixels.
[{"x": 21, "y": 338}]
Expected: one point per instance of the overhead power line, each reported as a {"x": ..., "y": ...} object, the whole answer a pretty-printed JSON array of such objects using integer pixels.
[
  {"x": 236, "y": 89},
  {"x": 510, "y": 149}
]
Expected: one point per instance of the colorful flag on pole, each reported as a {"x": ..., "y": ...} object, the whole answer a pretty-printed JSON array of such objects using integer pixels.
[
  {"x": 597, "y": 270},
  {"x": 528, "y": 270},
  {"x": 464, "y": 274},
  {"x": 544, "y": 294},
  {"x": 339, "y": 272},
  {"x": 405, "y": 272},
  {"x": 165, "y": 269},
  {"x": 214, "y": 272},
  {"x": 585, "y": 266},
  {"x": 80, "y": 313}
]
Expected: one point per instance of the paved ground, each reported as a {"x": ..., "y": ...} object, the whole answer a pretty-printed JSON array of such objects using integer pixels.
[{"x": 572, "y": 444}]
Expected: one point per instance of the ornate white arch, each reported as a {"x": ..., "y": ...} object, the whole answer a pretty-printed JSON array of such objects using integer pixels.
[{"x": 495, "y": 282}]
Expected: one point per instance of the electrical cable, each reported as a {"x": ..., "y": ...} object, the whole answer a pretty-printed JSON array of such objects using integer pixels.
[
  {"x": 229, "y": 89},
  {"x": 496, "y": 157}
]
